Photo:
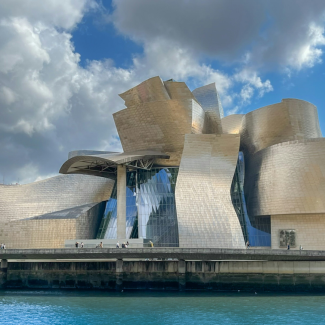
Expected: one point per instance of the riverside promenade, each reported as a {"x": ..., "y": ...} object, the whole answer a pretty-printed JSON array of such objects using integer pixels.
[
  {"x": 201, "y": 254},
  {"x": 163, "y": 269}
]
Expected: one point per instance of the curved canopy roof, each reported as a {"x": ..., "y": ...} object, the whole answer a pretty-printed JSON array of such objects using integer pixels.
[{"x": 105, "y": 165}]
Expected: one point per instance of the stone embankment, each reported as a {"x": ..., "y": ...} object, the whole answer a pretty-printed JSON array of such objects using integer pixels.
[{"x": 249, "y": 271}]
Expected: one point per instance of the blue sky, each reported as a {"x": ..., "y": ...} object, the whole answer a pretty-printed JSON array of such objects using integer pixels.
[
  {"x": 64, "y": 62},
  {"x": 97, "y": 39}
]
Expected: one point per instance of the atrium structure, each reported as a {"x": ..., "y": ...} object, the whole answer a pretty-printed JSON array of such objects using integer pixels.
[{"x": 188, "y": 177}]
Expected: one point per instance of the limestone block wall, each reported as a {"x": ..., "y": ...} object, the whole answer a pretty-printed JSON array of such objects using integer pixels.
[{"x": 310, "y": 230}]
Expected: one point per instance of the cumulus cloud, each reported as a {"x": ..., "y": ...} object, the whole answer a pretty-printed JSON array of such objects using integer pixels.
[
  {"x": 264, "y": 34},
  {"x": 50, "y": 104}
]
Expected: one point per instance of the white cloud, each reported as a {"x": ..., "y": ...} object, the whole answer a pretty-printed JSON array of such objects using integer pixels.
[
  {"x": 251, "y": 81},
  {"x": 61, "y": 14},
  {"x": 266, "y": 34},
  {"x": 309, "y": 53},
  {"x": 51, "y": 105}
]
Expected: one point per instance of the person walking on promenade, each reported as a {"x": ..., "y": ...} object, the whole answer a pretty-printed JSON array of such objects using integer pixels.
[
  {"x": 127, "y": 244},
  {"x": 247, "y": 245},
  {"x": 101, "y": 245},
  {"x": 76, "y": 244},
  {"x": 117, "y": 245},
  {"x": 1, "y": 246},
  {"x": 4, "y": 246},
  {"x": 151, "y": 243},
  {"x": 82, "y": 245},
  {"x": 288, "y": 246}
]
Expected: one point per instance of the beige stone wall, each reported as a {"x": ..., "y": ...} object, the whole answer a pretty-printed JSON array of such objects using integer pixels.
[{"x": 310, "y": 230}]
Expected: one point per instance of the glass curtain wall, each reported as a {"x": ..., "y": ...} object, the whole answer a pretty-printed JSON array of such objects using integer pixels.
[
  {"x": 150, "y": 207},
  {"x": 157, "y": 218},
  {"x": 257, "y": 231}
]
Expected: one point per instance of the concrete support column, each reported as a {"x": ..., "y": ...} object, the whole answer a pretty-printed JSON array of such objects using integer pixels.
[
  {"x": 121, "y": 202},
  {"x": 119, "y": 275},
  {"x": 181, "y": 275},
  {"x": 4, "y": 264},
  {"x": 3, "y": 273}
]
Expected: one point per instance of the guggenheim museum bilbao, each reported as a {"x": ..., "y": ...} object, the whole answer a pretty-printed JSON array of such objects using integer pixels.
[{"x": 188, "y": 177}]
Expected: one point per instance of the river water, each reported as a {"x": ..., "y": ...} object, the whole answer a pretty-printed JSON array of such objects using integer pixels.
[{"x": 67, "y": 307}]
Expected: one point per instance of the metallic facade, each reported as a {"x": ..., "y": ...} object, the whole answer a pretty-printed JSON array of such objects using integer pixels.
[
  {"x": 205, "y": 214},
  {"x": 284, "y": 174},
  {"x": 188, "y": 177},
  {"x": 292, "y": 119},
  {"x": 159, "y": 114},
  {"x": 209, "y": 99},
  {"x": 105, "y": 165},
  {"x": 51, "y": 230},
  {"x": 52, "y": 194},
  {"x": 287, "y": 178},
  {"x": 232, "y": 124},
  {"x": 45, "y": 213}
]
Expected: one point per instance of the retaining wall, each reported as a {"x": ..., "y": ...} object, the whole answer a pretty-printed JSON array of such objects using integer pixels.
[{"x": 166, "y": 275}]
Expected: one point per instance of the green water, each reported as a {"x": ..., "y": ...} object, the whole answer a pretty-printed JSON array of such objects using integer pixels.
[{"x": 64, "y": 307}]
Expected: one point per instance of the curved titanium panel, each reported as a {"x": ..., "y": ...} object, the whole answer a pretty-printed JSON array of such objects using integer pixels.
[
  {"x": 159, "y": 126},
  {"x": 205, "y": 214},
  {"x": 209, "y": 99},
  {"x": 150, "y": 90},
  {"x": 105, "y": 165},
  {"x": 287, "y": 178},
  {"x": 52, "y": 194},
  {"x": 52, "y": 229},
  {"x": 292, "y": 119},
  {"x": 231, "y": 124},
  {"x": 178, "y": 90},
  {"x": 75, "y": 153}
]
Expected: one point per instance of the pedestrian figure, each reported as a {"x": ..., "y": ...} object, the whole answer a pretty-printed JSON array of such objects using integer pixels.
[
  {"x": 101, "y": 245},
  {"x": 123, "y": 245},
  {"x": 4, "y": 246},
  {"x": 127, "y": 244},
  {"x": 288, "y": 246},
  {"x": 82, "y": 245},
  {"x": 117, "y": 245},
  {"x": 77, "y": 244},
  {"x": 1, "y": 246},
  {"x": 247, "y": 244},
  {"x": 151, "y": 243}
]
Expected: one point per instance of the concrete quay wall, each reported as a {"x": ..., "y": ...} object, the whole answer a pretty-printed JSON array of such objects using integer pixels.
[{"x": 166, "y": 275}]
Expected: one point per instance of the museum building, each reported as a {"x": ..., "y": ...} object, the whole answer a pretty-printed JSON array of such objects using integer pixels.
[{"x": 188, "y": 177}]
